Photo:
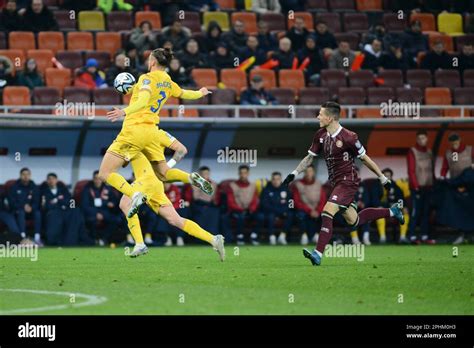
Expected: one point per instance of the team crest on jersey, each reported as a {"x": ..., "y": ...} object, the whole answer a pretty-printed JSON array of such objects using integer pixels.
[
  {"x": 146, "y": 82},
  {"x": 339, "y": 143},
  {"x": 334, "y": 197}
]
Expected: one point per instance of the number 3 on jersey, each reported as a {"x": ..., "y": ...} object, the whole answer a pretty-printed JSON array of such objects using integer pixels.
[{"x": 159, "y": 101}]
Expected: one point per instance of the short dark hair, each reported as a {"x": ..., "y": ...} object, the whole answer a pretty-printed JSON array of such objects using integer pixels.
[
  {"x": 163, "y": 56},
  {"x": 203, "y": 168},
  {"x": 96, "y": 172},
  {"x": 244, "y": 166},
  {"x": 275, "y": 174},
  {"x": 388, "y": 170},
  {"x": 25, "y": 169},
  {"x": 422, "y": 132},
  {"x": 52, "y": 174},
  {"x": 333, "y": 108},
  {"x": 454, "y": 137}
]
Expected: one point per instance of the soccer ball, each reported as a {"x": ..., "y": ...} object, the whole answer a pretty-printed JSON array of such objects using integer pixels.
[{"x": 124, "y": 82}]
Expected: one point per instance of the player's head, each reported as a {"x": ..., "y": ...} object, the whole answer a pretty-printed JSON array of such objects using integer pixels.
[
  {"x": 328, "y": 113},
  {"x": 52, "y": 179},
  {"x": 276, "y": 179},
  {"x": 309, "y": 173},
  {"x": 25, "y": 175},
  {"x": 11, "y": 5},
  {"x": 455, "y": 141},
  {"x": 159, "y": 59},
  {"x": 205, "y": 172},
  {"x": 422, "y": 137},
  {"x": 96, "y": 179},
  {"x": 388, "y": 173},
  {"x": 244, "y": 172}
]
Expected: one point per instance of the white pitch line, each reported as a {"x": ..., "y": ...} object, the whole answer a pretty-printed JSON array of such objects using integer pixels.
[{"x": 91, "y": 300}]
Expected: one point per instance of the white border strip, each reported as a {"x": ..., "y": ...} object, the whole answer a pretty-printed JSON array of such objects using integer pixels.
[{"x": 91, "y": 300}]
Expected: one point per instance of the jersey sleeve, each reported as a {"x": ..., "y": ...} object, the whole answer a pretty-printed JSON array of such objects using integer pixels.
[
  {"x": 144, "y": 83},
  {"x": 176, "y": 91},
  {"x": 315, "y": 147},
  {"x": 356, "y": 147}
]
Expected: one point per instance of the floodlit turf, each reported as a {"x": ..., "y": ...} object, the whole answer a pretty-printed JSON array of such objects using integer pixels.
[{"x": 259, "y": 280}]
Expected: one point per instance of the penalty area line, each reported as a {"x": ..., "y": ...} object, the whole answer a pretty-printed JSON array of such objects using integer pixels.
[{"x": 90, "y": 300}]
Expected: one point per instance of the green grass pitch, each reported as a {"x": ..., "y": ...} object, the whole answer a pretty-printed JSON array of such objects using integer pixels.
[{"x": 254, "y": 280}]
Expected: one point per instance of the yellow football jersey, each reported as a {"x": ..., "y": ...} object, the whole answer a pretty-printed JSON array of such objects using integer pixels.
[{"x": 161, "y": 87}]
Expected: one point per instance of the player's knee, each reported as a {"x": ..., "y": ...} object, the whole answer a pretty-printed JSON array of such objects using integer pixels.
[{"x": 103, "y": 175}]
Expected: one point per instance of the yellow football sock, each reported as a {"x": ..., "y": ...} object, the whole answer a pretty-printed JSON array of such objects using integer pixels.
[
  {"x": 354, "y": 234},
  {"x": 175, "y": 174},
  {"x": 381, "y": 227},
  {"x": 118, "y": 182},
  {"x": 193, "y": 229},
  {"x": 404, "y": 227},
  {"x": 135, "y": 229}
]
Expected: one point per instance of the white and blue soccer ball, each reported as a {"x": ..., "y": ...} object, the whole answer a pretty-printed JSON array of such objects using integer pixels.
[{"x": 124, "y": 82}]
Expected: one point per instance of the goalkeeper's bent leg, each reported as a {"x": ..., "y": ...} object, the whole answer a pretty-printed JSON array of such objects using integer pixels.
[{"x": 175, "y": 174}]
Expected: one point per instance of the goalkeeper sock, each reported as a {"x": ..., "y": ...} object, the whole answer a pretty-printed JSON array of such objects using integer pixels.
[
  {"x": 135, "y": 229},
  {"x": 326, "y": 232},
  {"x": 404, "y": 227},
  {"x": 118, "y": 182},
  {"x": 175, "y": 174},
  {"x": 193, "y": 229},
  {"x": 381, "y": 227}
]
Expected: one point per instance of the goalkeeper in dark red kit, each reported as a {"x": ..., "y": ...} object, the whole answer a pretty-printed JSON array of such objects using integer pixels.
[{"x": 340, "y": 147}]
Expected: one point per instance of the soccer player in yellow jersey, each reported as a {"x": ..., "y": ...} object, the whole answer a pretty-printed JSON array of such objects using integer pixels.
[
  {"x": 139, "y": 129},
  {"x": 147, "y": 182}
]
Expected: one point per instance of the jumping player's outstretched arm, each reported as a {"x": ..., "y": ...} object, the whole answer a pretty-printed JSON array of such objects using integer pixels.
[
  {"x": 305, "y": 163},
  {"x": 189, "y": 94},
  {"x": 369, "y": 163}
]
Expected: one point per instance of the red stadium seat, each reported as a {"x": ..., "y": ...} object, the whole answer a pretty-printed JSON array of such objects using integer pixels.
[
  {"x": 393, "y": 23},
  {"x": 361, "y": 78},
  {"x": 313, "y": 95},
  {"x": 190, "y": 112},
  {"x": 351, "y": 96},
  {"x": 77, "y": 94},
  {"x": 43, "y": 59},
  {"x": 79, "y": 41},
  {"x": 16, "y": 56},
  {"x": 221, "y": 96},
  {"x": 342, "y": 5},
  {"x": 15, "y": 95},
  {"x": 462, "y": 40},
  {"x": 151, "y": 16},
  {"x": 234, "y": 78},
  {"x": 3, "y": 40},
  {"x": 316, "y": 5},
  {"x": 450, "y": 78},
  {"x": 307, "y": 17},
  {"x": 369, "y": 5},
  {"x": 275, "y": 21},
  {"x": 65, "y": 21},
  {"x": 436, "y": 96},
  {"x": 419, "y": 78},
  {"x": 119, "y": 20},
  {"x": 428, "y": 22},
  {"x": 70, "y": 59},
  {"x": 51, "y": 40},
  {"x": 332, "y": 19},
  {"x": 204, "y": 77},
  {"x": 109, "y": 42},
  {"x": 106, "y": 96},
  {"x": 391, "y": 78},
  {"x": 248, "y": 18},
  {"x": 77, "y": 193},
  {"x": 285, "y": 96},
  {"x": 368, "y": 113},
  {"x": 333, "y": 79},
  {"x": 355, "y": 22},
  {"x": 21, "y": 40},
  {"x": 59, "y": 78},
  {"x": 468, "y": 78},
  {"x": 464, "y": 96},
  {"x": 190, "y": 20},
  {"x": 268, "y": 76},
  {"x": 351, "y": 38},
  {"x": 102, "y": 57},
  {"x": 378, "y": 95},
  {"x": 46, "y": 96},
  {"x": 226, "y": 4},
  {"x": 409, "y": 95},
  {"x": 445, "y": 39},
  {"x": 291, "y": 79}
]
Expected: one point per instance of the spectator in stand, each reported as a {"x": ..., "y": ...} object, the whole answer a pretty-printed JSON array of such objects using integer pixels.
[
  {"x": 437, "y": 58},
  {"x": 24, "y": 201},
  {"x": 205, "y": 208},
  {"x": 382, "y": 197},
  {"x": 64, "y": 222},
  {"x": 394, "y": 58},
  {"x": 256, "y": 94},
  {"x": 191, "y": 58},
  {"x": 421, "y": 178},
  {"x": 178, "y": 74},
  {"x": 30, "y": 77},
  {"x": 6, "y": 72},
  {"x": 121, "y": 64},
  {"x": 379, "y": 32},
  {"x": 221, "y": 58},
  {"x": 266, "y": 6},
  {"x": 253, "y": 50},
  {"x": 202, "y": 5},
  {"x": 176, "y": 33},
  {"x": 213, "y": 36},
  {"x": 466, "y": 58},
  {"x": 242, "y": 203},
  {"x": 38, "y": 17},
  {"x": 297, "y": 34},
  {"x": 10, "y": 19},
  {"x": 310, "y": 198},
  {"x": 414, "y": 40},
  {"x": 181, "y": 205},
  {"x": 168, "y": 8},
  {"x": 316, "y": 60},
  {"x": 275, "y": 203},
  {"x": 457, "y": 158},
  {"x": 325, "y": 40},
  {"x": 114, "y": 5},
  {"x": 372, "y": 56},
  {"x": 8, "y": 218},
  {"x": 342, "y": 58},
  {"x": 285, "y": 55},
  {"x": 236, "y": 38},
  {"x": 143, "y": 37},
  {"x": 293, "y": 5},
  {"x": 90, "y": 76},
  {"x": 100, "y": 207},
  {"x": 266, "y": 41},
  {"x": 137, "y": 63}
]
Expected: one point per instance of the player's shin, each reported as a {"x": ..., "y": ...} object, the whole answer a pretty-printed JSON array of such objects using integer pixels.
[
  {"x": 193, "y": 229},
  {"x": 135, "y": 229},
  {"x": 175, "y": 174},
  {"x": 326, "y": 231},
  {"x": 119, "y": 183}
]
